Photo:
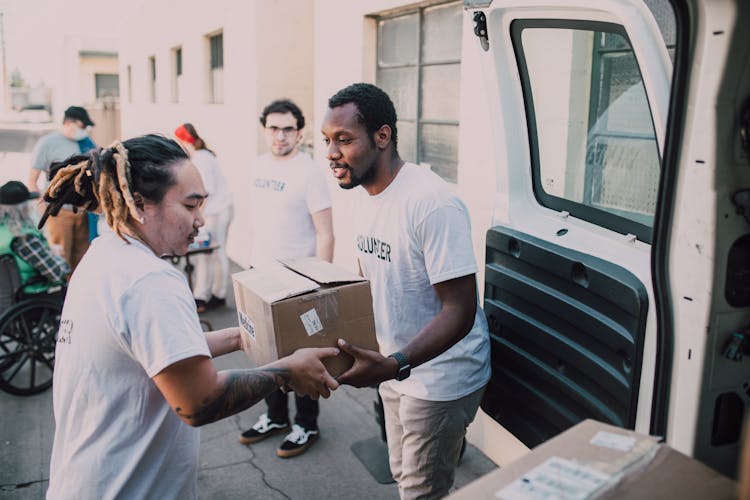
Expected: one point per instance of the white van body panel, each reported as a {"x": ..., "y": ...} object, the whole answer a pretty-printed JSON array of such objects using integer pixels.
[{"x": 695, "y": 269}]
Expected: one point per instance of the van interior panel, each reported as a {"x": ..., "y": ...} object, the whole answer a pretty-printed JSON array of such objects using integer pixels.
[{"x": 567, "y": 333}]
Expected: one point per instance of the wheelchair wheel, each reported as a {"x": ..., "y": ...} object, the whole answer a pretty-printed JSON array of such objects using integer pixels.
[{"x": 28, "y": 336}]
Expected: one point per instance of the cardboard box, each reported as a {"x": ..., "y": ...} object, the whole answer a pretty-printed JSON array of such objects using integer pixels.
[
  {"x": 305, "y": 302},
  {"x": 596, "y": 460}
]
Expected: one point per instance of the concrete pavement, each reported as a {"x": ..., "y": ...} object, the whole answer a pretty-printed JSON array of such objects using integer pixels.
[{"x": 229, "y": 470}]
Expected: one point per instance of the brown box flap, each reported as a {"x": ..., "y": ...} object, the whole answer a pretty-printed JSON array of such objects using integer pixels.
[
  {"x": 321, "y": 271},
  {"x": 274, "y": 283}
]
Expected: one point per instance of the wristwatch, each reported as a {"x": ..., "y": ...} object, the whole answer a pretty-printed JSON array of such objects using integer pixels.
[{"x": 404, "y": 368}]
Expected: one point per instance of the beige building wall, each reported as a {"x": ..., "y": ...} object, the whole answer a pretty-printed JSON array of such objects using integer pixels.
[
  {"x": 77, "y": 64},
  {"x": 262, "y": 60},
  {"x": 287, "y": 60},
  {"x": 89, "y": 67},
  {"x": 104, "y": 113}
]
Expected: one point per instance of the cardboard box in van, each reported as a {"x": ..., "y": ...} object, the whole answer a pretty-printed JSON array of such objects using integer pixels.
[
  {"x": 597, "y": 460},
  {"x": 305, "y": 302}
]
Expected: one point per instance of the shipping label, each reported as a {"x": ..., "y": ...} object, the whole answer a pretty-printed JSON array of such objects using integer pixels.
[{"x": 312, "y": 323}]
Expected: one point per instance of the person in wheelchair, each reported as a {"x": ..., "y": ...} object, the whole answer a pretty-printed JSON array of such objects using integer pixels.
[{"x": 39, "y": 268}]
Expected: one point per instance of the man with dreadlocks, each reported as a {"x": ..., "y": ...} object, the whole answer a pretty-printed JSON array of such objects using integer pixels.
[{"x": 133, "y": 372}]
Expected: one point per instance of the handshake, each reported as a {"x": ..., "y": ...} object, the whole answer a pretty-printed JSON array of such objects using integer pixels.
[{"x": 304, "y": 372}]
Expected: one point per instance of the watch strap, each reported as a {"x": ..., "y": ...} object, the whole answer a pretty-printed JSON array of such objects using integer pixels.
[
  {"x": 404, "y": 368},
  {"x": 401, "y": 358}
]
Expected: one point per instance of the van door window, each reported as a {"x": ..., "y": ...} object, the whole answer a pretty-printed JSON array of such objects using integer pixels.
[{"x": 594, "y": 149}]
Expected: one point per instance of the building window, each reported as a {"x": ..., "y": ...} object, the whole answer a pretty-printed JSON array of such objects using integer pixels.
[
  {"x": 176, "y": 73},
  {"x": 216, "y": 69},
  {"x": 419, "y": 66},
  {"x": 107, "y": 86},
  {"x": 152, "y": 78},
  {"x": 130, "y": 84}
]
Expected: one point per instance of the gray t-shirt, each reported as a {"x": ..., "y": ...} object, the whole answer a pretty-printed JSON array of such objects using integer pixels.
[{"x": 51, "y": 148}]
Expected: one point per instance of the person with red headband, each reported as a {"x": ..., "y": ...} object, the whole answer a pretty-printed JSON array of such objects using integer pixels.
[{"x": 211, "y": 269}]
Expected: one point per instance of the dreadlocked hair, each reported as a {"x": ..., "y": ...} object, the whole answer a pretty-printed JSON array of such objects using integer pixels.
[{"x": 107, "y": 178}]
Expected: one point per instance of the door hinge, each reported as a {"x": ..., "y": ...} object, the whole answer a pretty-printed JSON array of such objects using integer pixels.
[{"x": 480, "y": 29}]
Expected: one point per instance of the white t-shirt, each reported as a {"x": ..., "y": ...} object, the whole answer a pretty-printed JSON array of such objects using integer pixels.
[
  {"x": 284, "y": 194},
  {"x": 219, "y": 198},
  {"x": 414, "y": 234},
  {"x": 127, "y": 315}
]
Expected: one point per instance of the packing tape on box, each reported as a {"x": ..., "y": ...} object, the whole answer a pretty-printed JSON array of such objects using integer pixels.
[{"x": 326, "y": 309}]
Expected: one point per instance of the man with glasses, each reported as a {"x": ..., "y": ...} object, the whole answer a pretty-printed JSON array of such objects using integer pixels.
[{"x": 291, "y": 217}]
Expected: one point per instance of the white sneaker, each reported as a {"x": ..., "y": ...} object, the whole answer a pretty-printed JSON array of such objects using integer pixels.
[
  {"x": 297, "y": 441},
  {"x": 262, "y": 429}
]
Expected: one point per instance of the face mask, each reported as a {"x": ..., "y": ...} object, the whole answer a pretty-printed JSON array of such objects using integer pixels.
[{"x": 79, "y": 134}]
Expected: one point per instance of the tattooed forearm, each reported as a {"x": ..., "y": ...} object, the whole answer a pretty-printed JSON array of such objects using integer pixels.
[{"x": 238, "y": 390}]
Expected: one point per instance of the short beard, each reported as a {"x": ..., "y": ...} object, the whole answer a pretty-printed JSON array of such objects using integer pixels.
[
  {"x": 286, "y": 154},
  {"x": 368, "y": 175}
]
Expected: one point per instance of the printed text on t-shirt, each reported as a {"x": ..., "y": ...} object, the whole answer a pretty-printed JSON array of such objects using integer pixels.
[
  {"x": 375, "y": 246},
  {"x": 64, "y": 332},
  {"x": 272, "y": 184}
]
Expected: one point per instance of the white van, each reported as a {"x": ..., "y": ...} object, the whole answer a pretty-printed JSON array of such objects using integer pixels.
[{"x": 617, "y": 274}]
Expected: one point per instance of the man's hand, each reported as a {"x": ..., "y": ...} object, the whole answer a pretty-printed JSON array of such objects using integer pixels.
[
  {"x": 307, "y": 374},
  {"x": 199, "y": 395},
  {"x": 369, "y": 368}
]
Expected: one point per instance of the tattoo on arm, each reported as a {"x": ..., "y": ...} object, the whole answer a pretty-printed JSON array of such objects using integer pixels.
[{"x": 238, "y": 390}]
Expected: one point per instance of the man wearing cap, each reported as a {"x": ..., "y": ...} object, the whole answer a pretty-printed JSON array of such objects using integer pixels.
[
  {"x": 20, "y": 238},
  {"x": 68, "y": 230}
]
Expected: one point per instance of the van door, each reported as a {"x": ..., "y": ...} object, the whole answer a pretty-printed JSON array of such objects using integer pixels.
[
  {"x": 616, "y": 270},
  {"x": 580, "y": 90}
]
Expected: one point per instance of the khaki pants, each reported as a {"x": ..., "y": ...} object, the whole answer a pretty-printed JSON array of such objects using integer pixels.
[
  {"x": 424, "y": 440},
  {"x": 71, "y": 232}
]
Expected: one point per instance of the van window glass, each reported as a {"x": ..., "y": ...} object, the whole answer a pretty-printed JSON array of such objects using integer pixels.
[
  {"x": 596, "y": 154},
  {"x": 663, "y": 13}
]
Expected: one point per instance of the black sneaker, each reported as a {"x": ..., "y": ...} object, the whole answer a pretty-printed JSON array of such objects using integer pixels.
[
  {"x": 297, "y": 441},
  {"x": 215, "y": 302},
  {"x": 201, "y": 305},
  {"x": 262, "y": 429}
]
